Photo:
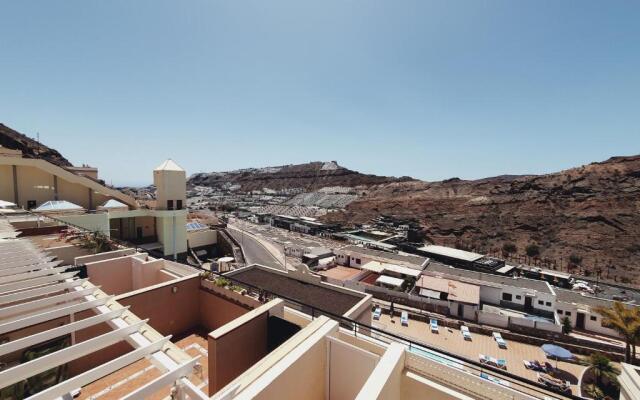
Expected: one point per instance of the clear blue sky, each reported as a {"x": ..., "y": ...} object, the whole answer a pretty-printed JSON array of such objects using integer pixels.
[{"x": 421, "y": 88}]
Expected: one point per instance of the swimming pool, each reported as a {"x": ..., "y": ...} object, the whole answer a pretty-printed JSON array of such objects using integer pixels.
[{"x": 431, "y": 355}]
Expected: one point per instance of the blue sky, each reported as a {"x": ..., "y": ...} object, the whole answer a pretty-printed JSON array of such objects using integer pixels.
[{"x": 421, "y": 88}]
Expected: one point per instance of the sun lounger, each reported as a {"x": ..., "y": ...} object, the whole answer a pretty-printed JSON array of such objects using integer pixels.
[
  {"x": 555, "y": 383},
  {"x": 377, "y": 313},
  {"x": 492, "y": 361},
  {"x": 466, "y": 334},
  {"x": 498, "y": 338},
  {"x": 434, "y": 325},
  {"x": 404, "y": 318}
]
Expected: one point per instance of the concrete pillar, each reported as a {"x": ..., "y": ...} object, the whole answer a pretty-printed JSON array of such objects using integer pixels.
[
  {"x": 55, "y": 187},
  {"x": 16, "y": 198}
]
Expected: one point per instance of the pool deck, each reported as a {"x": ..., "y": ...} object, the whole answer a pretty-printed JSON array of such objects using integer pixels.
[{"x": 451, "y": 340}]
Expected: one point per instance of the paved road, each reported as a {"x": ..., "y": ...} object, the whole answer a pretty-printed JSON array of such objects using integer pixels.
[{"x": 254, "y": 252}]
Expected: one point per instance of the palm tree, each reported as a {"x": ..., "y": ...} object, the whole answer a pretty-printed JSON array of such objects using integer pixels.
[
  {"x": 603, "y": 368},
  {"x": 624, "y": 320}
]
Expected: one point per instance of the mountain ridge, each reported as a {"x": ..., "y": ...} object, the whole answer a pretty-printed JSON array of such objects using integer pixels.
[{"x": 15, "y": 140}]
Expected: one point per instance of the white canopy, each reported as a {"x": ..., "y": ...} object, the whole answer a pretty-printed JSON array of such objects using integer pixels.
[
  {"x": 58, "y": 205},
  {"x": 6, "y": 204}
]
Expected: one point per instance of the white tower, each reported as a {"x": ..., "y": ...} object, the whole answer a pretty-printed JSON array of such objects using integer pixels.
[{"x": 171, "y": 186}]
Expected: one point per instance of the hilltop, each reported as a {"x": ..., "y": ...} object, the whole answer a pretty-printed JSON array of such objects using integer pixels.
[{"x": 308, "y": 177}]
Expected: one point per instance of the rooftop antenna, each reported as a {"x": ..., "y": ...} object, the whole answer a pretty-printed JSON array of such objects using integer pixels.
[{"x": 38, "y": 140}]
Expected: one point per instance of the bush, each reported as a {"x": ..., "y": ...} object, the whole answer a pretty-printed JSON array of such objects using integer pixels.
[
  {"x": 222, "y": 282},
  {"x": 509, "y": 248},
  {"x": 532, "y": 250},
  {"x": 566, "y": 326},
  {"x": 575, "y": 259}
]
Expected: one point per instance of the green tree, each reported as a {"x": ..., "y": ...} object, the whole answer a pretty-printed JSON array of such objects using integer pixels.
[
  {"x": 602, "y": 368},
  {"x": 624, "y": 320},
  {"x": 566, "y": 326},
  {"x": 532, "y": 250},
  {"x": 509, "y": 248},
  {"x": 575, "y": 259}
]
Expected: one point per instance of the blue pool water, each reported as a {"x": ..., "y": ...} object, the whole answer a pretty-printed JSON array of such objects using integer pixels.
[{"x": 436, "y": 357}]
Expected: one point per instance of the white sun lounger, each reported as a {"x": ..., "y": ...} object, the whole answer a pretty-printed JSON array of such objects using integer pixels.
[
  {"x": 404, "y": 318},
  {"x": 498, "y": 338},
  {"x": 466, "y": 334}
]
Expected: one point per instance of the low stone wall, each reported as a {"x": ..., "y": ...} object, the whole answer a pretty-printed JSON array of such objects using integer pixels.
[{"x": 231, "y": 295}]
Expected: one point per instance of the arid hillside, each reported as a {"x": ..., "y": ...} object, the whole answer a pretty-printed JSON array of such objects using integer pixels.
[
  {"x": 15, "y": 140},
  {"x": 310, "y": 176},
  {"x": 587, "y": 216}
]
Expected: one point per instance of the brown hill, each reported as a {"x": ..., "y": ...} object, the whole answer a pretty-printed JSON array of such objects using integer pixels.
[
  {"x": 310, "y": 176},
  {"x": 29, "y": 147},
  {"x": 591, "y": 212}
]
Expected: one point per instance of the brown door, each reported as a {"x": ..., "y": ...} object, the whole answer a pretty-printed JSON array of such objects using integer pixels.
[{"x": 580, "y": 321}]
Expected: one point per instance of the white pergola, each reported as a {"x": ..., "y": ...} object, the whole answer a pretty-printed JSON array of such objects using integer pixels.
[{"x": 34, "y": 289}]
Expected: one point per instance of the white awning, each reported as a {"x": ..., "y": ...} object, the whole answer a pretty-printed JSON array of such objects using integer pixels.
[{"x": 389, "y": 280}]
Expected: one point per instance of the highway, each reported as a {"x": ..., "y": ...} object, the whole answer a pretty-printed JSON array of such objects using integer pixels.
[{"x": 254, "y": 252}]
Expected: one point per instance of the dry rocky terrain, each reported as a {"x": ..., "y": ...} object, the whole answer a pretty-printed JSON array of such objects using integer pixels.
[{"x": 591, "y": 212}]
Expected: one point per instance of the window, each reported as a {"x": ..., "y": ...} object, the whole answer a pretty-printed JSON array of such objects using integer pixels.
[
  {"x": 560, "y": 312},
  {"x": 548, "y": 304},
  {"x": 169, "y": 204},
  {"x": 507, "y": 296},
  {"x": 31, "y": 204},
  {"x": 593, "y": 318},
  {"x": 540, "y": 302},
  {"x": 358, "y": 261},
  {"x": 567, "y": 313},
  {"x": 518, "y": 297},
  {"x": 178, "y": 204}
]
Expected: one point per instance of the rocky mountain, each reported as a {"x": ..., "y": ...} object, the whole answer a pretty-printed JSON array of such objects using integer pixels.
[
  {"x": 15, "y": 140},
  {"x": 308, "y": 177},
  {"x": 584, "y": 219}
]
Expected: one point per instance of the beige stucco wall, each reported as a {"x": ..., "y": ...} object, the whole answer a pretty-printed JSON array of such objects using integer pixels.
[
  {"x": 34, "y": 184},
  {"x": 105, "y": 256},
  {"x": 6, "y": 183},
  {"x": 349, "y": 369},
  {"x": 115, "y": 276},
  {"x": 236, "y": 351},
  {"x": 169, "y": 313},
  {"x": 148, "y": 273},
  {"x": 94, "y": 222},
  {"x": 216, "y": 311},
  {"x": 68, "y": 253},
  {"x": 304, "y": 379},
  {"x": 386, "y": 379},
  {"x": 170, "y": 185},
  {"x": 165, "y": 229},
  {"x": 201, "y": 238}
]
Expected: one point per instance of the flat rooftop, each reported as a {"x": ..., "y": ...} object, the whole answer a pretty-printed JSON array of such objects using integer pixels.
[
  {"x": 451, "y": 253},
  {"x": 479, "y": 277},
  {"x": 409, "y": 259},
  {"x": 318, "y": 296},
  {"x": 340, "y": 273}
]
